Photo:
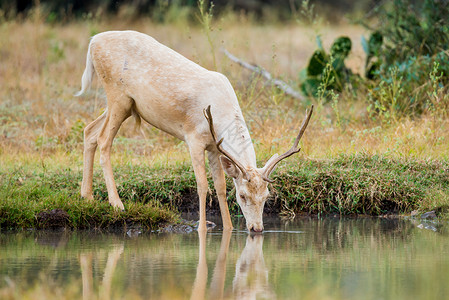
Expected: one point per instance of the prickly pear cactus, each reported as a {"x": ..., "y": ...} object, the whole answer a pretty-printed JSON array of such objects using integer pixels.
[
  {"x": 317, "y": 63},
  {"x": 340, "y": 50},
  {"x": 313, "y": 76},
  {"x": 372, "y": 48},
  {"x": 341, "y": 47}
]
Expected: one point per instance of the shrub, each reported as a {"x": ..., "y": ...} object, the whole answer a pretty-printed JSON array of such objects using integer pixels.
[{"x": 409, "y": 44}]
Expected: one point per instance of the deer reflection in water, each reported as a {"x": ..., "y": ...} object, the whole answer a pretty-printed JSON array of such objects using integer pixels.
[
  {"x": 250, "y": 279},
  {"x": 87, "y": 275},
  {"x": 251, "y": 275}
]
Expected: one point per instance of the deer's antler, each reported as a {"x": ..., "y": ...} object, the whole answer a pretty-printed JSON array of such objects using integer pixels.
[
  {"x": 208, "y": 116},
  {"x": 294, "y": 149}
]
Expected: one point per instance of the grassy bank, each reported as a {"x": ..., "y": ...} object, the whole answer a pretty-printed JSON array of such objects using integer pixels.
[
  {"x": 361, "y": 184},
  {"x": 47, "y": 198}
]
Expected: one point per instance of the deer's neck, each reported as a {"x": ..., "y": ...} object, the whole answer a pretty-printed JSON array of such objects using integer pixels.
[{"x": 236, "y": 138}]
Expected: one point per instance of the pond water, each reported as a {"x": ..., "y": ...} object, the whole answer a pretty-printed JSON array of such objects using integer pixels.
[{"x": 331, "y": 258}]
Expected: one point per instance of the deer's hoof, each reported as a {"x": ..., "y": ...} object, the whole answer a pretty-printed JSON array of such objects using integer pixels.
[
  {"x": 89, "y": 197},
  {"x": 209, "y": 226},
  {"x": 118, "y": 206}
]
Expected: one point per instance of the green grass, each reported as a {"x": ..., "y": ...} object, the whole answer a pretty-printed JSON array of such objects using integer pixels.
[
  {"x": 360, "y": 184},
  {"x": 25, "y": 193}
]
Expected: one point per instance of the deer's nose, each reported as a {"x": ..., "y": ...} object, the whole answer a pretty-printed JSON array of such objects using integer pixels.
[{"x": 256, "y": 228}]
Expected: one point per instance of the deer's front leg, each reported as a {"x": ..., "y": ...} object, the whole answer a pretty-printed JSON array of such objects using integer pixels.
[
  {"x": 198, "y": 162},
  {"x": 220, "y": 187}
]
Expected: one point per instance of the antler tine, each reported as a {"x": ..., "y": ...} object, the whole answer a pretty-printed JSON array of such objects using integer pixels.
[
  {"x": 292, "y": 150},
  {"x": 208, "y": 116},
  {"x": 267, "y": 179}
]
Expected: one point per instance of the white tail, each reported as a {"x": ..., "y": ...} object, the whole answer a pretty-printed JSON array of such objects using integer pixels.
[{"x": 86, "y": 80}]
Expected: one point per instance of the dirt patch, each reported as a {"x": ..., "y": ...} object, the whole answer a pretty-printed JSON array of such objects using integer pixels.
[{"x": 54, "y": 218}]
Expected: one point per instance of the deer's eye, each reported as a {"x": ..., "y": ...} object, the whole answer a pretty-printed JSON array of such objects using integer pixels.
[{"x": 242, "y": 197}]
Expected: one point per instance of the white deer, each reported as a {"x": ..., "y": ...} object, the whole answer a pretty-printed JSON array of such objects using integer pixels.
[{"x": 150, "y": 81}]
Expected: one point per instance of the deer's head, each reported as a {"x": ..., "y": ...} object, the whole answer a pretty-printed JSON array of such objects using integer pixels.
[{"x": 251, "y": 184}]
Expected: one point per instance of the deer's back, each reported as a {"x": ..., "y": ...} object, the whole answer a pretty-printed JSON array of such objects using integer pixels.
[{"x": 169, "y": 90}]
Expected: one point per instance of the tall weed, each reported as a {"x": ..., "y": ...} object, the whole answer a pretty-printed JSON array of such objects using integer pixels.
[{"x": 205, "y": 17}]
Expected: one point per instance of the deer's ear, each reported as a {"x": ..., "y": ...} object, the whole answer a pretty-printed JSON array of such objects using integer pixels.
[{"x": 229, "y": 167}]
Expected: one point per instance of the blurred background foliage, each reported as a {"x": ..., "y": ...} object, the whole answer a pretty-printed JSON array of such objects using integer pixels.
[{"x": 283, "y": 9}]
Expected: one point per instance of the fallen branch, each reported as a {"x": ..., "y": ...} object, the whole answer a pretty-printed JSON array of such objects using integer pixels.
[{"x": 259, "y": 70}]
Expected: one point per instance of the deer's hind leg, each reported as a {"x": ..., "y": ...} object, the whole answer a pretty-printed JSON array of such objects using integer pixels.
[
  {"x": 119, "y": 109},
  {"x": 91, "y": 133}
]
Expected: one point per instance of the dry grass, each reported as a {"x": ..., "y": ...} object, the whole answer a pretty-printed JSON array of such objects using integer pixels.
[{"x": 42, "y": 66}]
